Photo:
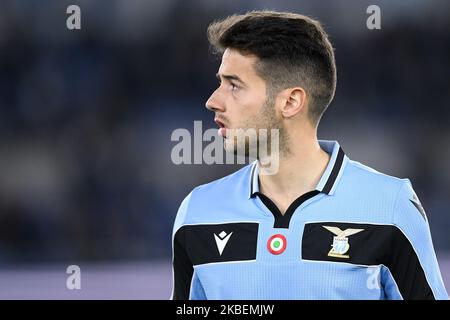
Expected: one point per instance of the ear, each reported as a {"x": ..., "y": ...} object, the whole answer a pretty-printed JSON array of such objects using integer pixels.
[{"x": 293, "y": 101}]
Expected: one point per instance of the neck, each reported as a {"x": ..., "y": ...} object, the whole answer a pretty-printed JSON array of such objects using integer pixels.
[{"x": 299, "y": 170}]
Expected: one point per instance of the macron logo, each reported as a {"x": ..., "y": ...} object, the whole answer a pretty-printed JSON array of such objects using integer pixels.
[{"x": 222, "y": 240}]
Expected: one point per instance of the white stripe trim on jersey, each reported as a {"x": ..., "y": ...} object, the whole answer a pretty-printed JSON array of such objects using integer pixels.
[
  {"x": 223, "y": 262},
  {"x": 395, "y": 282}
]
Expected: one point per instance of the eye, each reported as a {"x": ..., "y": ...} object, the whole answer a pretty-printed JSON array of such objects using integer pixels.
[{"x": 233, "y": 87}]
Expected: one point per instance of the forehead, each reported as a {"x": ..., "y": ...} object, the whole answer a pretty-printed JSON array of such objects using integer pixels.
[{"x": 233, "y": 62}]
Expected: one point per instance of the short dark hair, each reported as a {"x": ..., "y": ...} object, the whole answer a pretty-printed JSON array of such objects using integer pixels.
[{"x": 293, "y": 50}]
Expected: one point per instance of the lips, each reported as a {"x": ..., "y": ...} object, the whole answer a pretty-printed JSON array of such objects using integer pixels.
[{"x": 222, "y": 129}]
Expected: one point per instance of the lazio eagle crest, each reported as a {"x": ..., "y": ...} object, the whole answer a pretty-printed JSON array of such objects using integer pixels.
[{"x": 340, "y": 244}]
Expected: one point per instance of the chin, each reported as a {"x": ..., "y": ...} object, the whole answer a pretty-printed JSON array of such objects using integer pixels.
[{"x": 229, "y": 146}]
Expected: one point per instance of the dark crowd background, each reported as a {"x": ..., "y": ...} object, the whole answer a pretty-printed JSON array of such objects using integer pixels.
[{"x": 86, "y": 116}]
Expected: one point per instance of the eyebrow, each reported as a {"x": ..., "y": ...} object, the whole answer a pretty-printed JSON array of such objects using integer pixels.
[{"x": 230, "y": 77}]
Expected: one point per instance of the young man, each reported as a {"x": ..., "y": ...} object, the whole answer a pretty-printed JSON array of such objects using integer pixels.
[{"x": 322, "y": 226}]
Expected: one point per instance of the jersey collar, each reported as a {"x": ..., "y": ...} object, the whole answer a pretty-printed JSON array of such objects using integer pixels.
[{"x": 330, "y": 178}]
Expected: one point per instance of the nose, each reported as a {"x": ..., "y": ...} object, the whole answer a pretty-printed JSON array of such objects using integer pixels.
[{"x": 215, "y": 103}]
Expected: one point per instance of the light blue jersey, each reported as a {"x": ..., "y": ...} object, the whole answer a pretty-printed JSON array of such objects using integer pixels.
[{"x": 360, "y": 234}]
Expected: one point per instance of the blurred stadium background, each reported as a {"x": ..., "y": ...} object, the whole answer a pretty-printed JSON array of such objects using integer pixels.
[{"x": 86, "y": 117}]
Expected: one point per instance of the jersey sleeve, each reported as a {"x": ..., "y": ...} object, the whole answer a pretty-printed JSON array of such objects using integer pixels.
[
  {"x": 414, "y": 270},
  {"x": 182, "y": 268}
]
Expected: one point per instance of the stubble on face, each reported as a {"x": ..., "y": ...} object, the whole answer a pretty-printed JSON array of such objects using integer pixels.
[{"x": 254, "y": 135}]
